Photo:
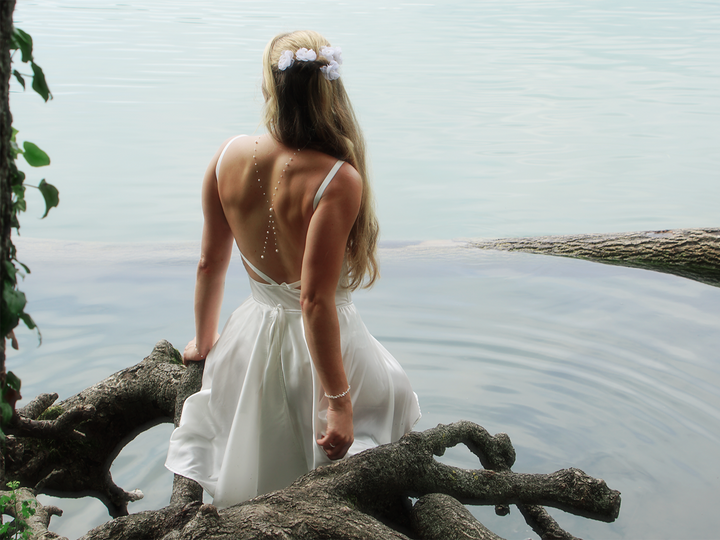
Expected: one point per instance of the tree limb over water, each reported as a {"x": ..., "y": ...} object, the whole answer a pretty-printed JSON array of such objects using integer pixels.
[
  {"x": 690, "y": 253},
  {"x": 67, "y": 450}
]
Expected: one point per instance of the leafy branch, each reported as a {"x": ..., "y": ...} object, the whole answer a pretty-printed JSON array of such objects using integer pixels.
[
  {"x": 18, "y": 527},
  {"x": 14, "y": 301}
]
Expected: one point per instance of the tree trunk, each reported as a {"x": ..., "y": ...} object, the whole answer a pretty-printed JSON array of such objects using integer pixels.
[{"x": 690, "y": 253}]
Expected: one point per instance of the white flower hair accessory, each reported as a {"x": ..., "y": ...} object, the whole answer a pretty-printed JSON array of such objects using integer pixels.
[
  {"x": 286, "y": 60},
  {"x": 305, "y": 55},
  {"x": 331, "y": 71},
  {"x": 332, "y": 54}
]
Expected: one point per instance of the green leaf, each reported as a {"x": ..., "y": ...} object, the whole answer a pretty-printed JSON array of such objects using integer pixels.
[
  {"x": 7, "y": 412},
  {"x": 39, "y": 83},
  {"x": 11, "y": 270},
  {"x": 14, "y": 299},
  {"x": 19, "y": 206},
  {"x": 17, "y": 177},
  {"x": 27, "y": 510},
  {"x": 8, "y": 321},
  {"x": 27, "y": 270},
  {"x": 34, "y": 155},
  {"x": 28, "y": 320},
  {"x": 13, "y": 381},
  {"x": 19, "y": 78},
  {"x": 15, "y": 149},
  {"x": 19, "y": 191},
  {"x": 23, "y": 41},
  {"x": 50, "y": 194}
]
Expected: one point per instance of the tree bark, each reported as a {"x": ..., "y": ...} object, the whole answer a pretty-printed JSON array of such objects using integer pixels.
[
  {"x": 67, "y": 450},
  {"x": 690, "y": 253}
]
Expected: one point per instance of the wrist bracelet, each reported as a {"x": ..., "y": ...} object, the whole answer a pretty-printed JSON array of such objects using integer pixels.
[
  {"x": 198, "y": 351},
  {"x": 345, "y": 393}
]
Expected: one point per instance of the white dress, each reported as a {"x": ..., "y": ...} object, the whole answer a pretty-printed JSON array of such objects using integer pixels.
[{"x": 253, "y": 426}]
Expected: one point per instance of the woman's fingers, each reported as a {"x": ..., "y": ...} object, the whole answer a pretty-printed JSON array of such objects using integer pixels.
[
  {"x": 191, "y": 354},
  {"x": 334, "y": 447}
]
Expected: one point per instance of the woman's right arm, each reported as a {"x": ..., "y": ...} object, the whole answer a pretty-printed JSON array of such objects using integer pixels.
[
  {"x": 215, "y": 253},
  {"x": 322, "y": 266}
]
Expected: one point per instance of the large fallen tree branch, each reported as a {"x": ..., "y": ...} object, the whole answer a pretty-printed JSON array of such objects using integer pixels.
[
  {"x": 690, "y": 253},
  {"x": 68, "y": 449}
]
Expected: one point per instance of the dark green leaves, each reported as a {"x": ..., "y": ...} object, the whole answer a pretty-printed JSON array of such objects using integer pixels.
[
  {"x": 7, "y": 412},
  {"x": 13, "y": 381},
  {"x": 22, "y": 40},
  {"x": 34, "y": 155},
  {"x": 39, "y": 84},
  {"x": 15, "y": 300},
  {"x": 19, "y": 78},
  {"x": 50, "y": 194}
]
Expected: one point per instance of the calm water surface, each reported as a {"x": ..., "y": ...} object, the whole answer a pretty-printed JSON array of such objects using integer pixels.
[{"x": 484, "y": 119}]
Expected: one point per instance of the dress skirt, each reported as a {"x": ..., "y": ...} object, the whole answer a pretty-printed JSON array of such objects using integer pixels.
[{"x": 253, "y": 426}]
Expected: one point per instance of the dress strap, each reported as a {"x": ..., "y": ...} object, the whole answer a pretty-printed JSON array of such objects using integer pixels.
[
  {"x": 222, "y": 154},
  {"x": 267, "y": 278},
  {"x": 264, "y": 276},
  {"x": 325, "y": 183}
]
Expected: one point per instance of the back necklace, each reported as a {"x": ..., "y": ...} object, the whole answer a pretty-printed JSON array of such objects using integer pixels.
[{"x": 270, "y": 200}]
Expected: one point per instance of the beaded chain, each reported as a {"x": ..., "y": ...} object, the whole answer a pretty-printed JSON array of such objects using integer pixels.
[{"x": 270, "y": 201}]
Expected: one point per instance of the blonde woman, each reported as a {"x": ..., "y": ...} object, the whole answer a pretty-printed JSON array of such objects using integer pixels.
[{"x": 295, "y": 379}]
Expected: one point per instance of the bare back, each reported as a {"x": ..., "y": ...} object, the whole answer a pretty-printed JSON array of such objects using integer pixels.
[{"x": 267, "y": 192}]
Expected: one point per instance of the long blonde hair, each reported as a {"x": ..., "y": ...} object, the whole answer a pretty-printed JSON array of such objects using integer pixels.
[{"x": 303, "y": 109}]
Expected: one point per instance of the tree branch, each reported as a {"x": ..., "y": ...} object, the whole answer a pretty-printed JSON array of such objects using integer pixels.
[{"x": 689, "y": 253}]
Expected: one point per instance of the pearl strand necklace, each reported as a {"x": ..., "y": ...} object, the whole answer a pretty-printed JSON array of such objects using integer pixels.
[{"x": 270, "y": 201}]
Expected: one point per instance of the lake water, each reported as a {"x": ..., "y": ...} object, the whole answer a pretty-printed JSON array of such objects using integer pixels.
[{"x": 484, "y": 119}]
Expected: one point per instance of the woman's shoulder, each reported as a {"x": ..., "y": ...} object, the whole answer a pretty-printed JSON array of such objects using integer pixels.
[{"x": 343, "y": 184}]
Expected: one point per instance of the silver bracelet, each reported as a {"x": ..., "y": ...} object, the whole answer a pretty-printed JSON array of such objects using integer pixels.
[{"x": 345, "y": 393}]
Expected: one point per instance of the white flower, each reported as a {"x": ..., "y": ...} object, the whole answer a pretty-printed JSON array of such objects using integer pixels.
[
  {"x": 286, "y": 60},
  {"x": 332, "y": 53},
  {"x": 305, "y": 55},
  {"x": 331, "y": 71}
]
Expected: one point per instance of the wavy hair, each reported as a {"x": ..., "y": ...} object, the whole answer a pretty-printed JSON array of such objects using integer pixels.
[{"x": 303, "y": 109}]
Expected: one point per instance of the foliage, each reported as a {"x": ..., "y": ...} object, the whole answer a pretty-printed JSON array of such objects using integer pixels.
[
  {"x": 14, "y": 300},
  {"x": 18, "y": 527}
]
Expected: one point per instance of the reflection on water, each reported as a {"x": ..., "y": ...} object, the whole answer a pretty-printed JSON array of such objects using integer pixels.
[{"x": 608, "y": 369}]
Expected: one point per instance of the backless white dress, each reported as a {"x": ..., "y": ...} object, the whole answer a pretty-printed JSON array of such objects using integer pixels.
[{"x": 253, "y": 426}]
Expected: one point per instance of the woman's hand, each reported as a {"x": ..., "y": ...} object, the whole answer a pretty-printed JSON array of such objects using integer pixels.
[
  {"x": 339, "y": 436},
  {"x": 191, "y": 353}
]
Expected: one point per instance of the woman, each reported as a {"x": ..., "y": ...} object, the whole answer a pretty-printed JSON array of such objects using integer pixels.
[{"x": 295, "y": 380}]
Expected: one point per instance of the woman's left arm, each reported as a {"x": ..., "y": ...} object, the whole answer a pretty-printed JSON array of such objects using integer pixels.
[{"x": 215, "y": 255}]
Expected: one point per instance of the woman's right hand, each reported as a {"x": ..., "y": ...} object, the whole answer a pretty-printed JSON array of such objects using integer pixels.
[
  {"x": 191, "y": 353},
  {"x": 339, "y": 435}
]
